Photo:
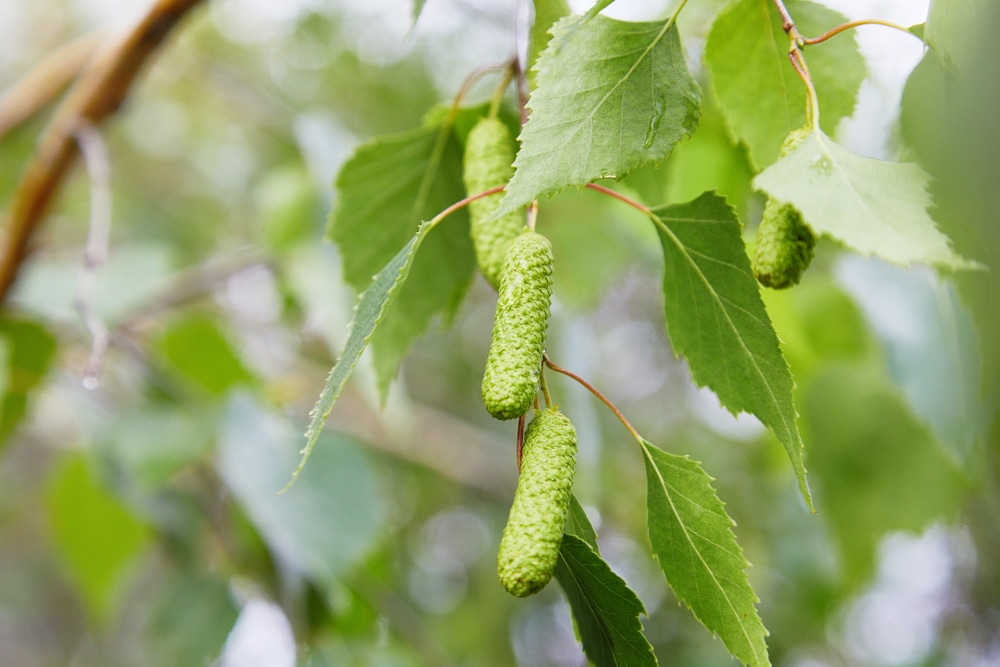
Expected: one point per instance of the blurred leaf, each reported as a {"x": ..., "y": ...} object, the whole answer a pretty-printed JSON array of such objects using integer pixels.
[
  {"x": 578, "y": 525},
  {"x": 418, "y": 7},
  {"x": 289, "y": 208},
  {"x": 875, "y": 207},
  {"x": 195, "y": 348},
  {"x": 717, "y": 321},
  {"x": 876, "y": 468},
  {"x": 547, "y": 13},
  {"x": 372, "y": 306},
  {"x": 930, "y": 346},
  {"x": 324, "y": 523},
  {"x": 96, "y": 537},
  {"x": 693, "y": 541},
  {"x": 190, "y": 621},
  {"x": 817, "y": 322},
  {"x": 605, "y": 609},
  {"x": 949, "y": 26},
  {"x": 28, "y": 350},
  {"x": 385, "y": 190},
  {"x": 154, "y": 443},
  {"x": 758, "y": 89},
  {"x": 611, "y": 96}
]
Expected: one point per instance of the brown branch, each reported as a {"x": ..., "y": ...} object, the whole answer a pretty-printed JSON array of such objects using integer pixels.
[
  {"x": 99, "y": 92},
  {"x": 43, "y": 83}
]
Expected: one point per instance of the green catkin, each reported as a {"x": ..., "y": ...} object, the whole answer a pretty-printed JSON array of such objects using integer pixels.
[
  {"x": 530, "y": 544},
  {"x": 784, "y": 246},
  {"x": 513, "y": 367},
  {"x": 488, "y": 162}
]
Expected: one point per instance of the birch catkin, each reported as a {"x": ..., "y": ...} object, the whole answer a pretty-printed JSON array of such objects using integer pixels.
[
  {"x": 530, "y": 544},
  {"x": 514, "y": 364},
  {"x": 488, "y": 163}
]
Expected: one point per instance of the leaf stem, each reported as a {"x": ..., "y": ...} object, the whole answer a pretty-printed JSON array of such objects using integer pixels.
[
  {"x": 673, "y": 17},
  {"x": 545, "y": 388},
  {"x": 593, "y": 390},
  {"x": 854, "y": 24},
  {"x": 462, "y": 202},
  {"x": 798, "y": 60},
  {"x": 617, "y": 195},
  {"x": 501, "y": 88},
  {"x": 532, "y": 216}
]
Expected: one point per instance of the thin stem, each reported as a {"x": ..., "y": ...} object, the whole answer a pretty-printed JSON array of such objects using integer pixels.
[
  {"x": 467, "y": 85},
  {"x": 545, "y": 388},
  {"x": 501, "y": 88},
  {"x": 677, "y": 11},
  {"x": 520, "y": 441},
  {"x": 463, "y": 202},
  {"x": 593, "y": 390},
  {"x": 617, "y": 195},
  {"x": 95, "y": 158},
  {"x": 532, "y": 215},
  {"x": 854, "y": 24},
  {"x": 798, "y": 61}
]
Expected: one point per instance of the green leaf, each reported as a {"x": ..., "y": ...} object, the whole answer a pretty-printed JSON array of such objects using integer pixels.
[
  {"x": 875, "y": 207},
  {"x": 758, "y": 89},
  {"x": 950, "y": 25},
  {"x": 611, "y": 96},
  {"x": 717, "y": 320},
  {"x": 605, "y": 609},
  {"x": 28, "y": 352},
  {"x": 877, "y": 469},
  {"x": 385, "y": 189},
  {"x": 94, "y": 534},
  {"x": 418, "y": 8},
  {"x": 191, "y": 616},
  {"x": 547, "y": 13},
  {"x": 199, "y": 351},
  {"x": 578, "y": 524},
  {"x": 692, "y": 539},
  {"x": 372, "y": 306},
  {"x": 256, "y": 450}
]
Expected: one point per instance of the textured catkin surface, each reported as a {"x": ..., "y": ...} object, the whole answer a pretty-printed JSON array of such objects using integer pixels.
[
  {"x": 784, "y": 247},
  {"x": 529, "y": 547},
  {"x": 489, "y": 162},
  {"x": 510, "y": 382}
]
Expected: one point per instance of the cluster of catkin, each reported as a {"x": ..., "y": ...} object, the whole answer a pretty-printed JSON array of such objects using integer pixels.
[{"x": 518, "y": 263}]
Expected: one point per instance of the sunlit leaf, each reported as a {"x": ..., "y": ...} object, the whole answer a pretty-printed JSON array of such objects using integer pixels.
[
  {"x": 717, "y": 320},
  {"x": 875, "y": 207},
  {"x": 611, "y": 96},
  {"x": 693, "y": 541},
  {"x": 758, "y": 89}
]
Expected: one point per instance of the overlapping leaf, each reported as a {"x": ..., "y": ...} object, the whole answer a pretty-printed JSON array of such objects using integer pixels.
[
  {"x": 951, "y": 24},
  {"x": 611, "y": 96},
  {"x": 385, "y": 189},
  {"x": 605, "y": 609},
  {"x": 875, "y": 207},
  {"x": 717, "y": 320},
  {"x": 692, "y": 538},
  {"x": 761, "y": 95},
  {"x": 372, "y": 306}
]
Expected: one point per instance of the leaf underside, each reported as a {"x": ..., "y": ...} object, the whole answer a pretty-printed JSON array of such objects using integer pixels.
[
  {"x": 875, "y": 207},
  {"x": 717, "y": 320},
  {"x": 371, "y": 308},
  {"x": 692, "y": 539},
  {"x": 611, "y": 96},
  {"x": 606, "y": 610}
]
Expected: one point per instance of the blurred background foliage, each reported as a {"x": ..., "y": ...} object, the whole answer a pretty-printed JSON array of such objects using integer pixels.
[{"x": 139, "y": 521}]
